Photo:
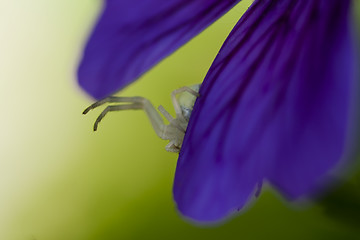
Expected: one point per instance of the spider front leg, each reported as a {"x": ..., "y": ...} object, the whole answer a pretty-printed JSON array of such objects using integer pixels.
[
  {"x": 131, "y": 103},
  {"x": 114, "y": 108},
  {"x": 113, "y": 99}
]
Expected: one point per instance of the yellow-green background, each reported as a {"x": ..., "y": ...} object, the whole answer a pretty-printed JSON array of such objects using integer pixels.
[{"x": 59, "y": 180}]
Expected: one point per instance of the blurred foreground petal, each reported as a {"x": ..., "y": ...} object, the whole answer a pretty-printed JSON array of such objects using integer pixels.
[{"x": 132, "y": 36}]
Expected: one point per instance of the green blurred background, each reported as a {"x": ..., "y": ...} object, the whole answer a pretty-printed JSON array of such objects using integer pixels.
[{"x": 60, "y": 180}]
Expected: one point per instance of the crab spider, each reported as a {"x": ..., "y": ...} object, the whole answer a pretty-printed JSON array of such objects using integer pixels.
[{"x": 183, "y": 100}]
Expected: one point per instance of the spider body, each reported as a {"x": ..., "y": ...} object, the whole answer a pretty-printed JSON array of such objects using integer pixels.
[{"x": 183, "y": 100}]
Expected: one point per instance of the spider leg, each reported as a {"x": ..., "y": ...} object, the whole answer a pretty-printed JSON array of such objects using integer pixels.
[
  {"x": 175, "y": 101},
  {"x": 132, "y": 103},
  {"x": 171, "y": 147},
  {"x": 174, "y": 122},
  {"x": 155, "y": 119},
  {"x": 115, "y": 108},
  {"x": 167, "y": 132},
  {"x": 165, "y": 113},
  {"x": 113, "y": 99}
]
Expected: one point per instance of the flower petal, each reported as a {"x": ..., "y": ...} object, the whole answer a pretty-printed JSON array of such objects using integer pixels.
[
  {"x": 132, "y": 36},
  {"x": 275, "y": 104}
]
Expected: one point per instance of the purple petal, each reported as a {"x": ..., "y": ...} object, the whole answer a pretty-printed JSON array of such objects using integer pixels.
[
  {"x": 132, "y": 36},
  {"x": 275, "y": 104}
]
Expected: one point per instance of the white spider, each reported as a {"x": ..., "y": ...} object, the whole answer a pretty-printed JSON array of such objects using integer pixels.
[{"x": 183, "y": 100}]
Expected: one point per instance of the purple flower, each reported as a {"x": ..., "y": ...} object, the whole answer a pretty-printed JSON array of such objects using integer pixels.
[{"x": 275, "y": 104}]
